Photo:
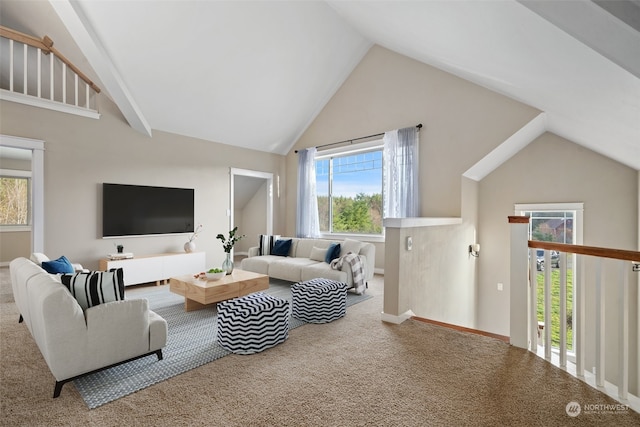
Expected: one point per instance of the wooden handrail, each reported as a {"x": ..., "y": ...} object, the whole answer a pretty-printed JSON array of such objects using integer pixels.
[
  {"x": 8, "y": 33},
  {"x": 46, "y": 45},
  {"x": 587, "y": 250}
]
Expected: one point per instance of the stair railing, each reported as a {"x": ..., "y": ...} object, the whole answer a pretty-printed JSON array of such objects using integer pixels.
[
  {"x": 524, "y": 300},
  {"x": 34, "y": 72}
]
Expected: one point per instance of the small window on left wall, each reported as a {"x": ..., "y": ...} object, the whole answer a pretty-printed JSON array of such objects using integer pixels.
[{"x": 15, "y": 199}]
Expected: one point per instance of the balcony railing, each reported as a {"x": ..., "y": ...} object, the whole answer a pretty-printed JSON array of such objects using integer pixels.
[
  {"x": 600, "y": 273},
  {"x": 33, "y": 72}
]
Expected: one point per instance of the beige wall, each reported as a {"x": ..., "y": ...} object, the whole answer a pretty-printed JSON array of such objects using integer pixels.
[
  {"x": 462, "y": 122},
  {"x": 554, "y": 170},
  {"x": 81, "y": 154},
  {"x": 14, "y": 244}
]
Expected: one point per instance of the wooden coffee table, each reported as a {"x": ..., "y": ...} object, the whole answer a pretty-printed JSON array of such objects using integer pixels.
[{"x": 198, "y": 293}]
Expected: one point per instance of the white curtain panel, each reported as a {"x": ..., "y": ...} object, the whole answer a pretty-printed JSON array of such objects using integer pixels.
[
  {"x": 402, "y": 198},
  {"x": 307, "y": 220}
]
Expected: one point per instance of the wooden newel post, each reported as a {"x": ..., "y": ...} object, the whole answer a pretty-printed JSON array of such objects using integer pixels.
[{"x": 519, "y": 281}]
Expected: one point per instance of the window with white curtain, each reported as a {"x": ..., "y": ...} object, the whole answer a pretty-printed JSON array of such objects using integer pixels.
[{"x": 350, "y": 189}]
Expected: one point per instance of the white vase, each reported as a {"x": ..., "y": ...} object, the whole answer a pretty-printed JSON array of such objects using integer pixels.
[{"x": 189, "y": 247}]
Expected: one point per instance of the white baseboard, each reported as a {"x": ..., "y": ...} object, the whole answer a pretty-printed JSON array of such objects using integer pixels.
[{"x": 396, "y": 319}]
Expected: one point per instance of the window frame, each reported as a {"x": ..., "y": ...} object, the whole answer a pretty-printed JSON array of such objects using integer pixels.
[
  {"x": 578, "y": 226},
  {"x": 16, "y": 173},
  {"x": 365, "y": 147}
]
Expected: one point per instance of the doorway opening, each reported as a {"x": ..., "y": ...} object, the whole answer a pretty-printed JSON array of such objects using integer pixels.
[{"x": 251, "y": 207}]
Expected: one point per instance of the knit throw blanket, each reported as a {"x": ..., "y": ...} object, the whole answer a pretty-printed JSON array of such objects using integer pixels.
[{"x": 357, "y": 269}]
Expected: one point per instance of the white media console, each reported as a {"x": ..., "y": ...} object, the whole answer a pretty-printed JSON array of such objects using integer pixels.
[{"x": 156, "y": 268}]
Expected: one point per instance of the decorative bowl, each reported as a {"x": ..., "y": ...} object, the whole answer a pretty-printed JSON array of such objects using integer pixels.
[{"x": 215, "y": 276}]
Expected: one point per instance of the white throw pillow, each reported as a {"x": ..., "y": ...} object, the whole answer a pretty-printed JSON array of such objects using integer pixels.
[
  {"x": 318, "y": 254},
  {"x": 350, "y": 245},
  {"x": 39, "y": 258}
]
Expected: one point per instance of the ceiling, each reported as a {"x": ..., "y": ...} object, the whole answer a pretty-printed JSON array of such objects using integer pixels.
[{"x": 256, "y": 74}]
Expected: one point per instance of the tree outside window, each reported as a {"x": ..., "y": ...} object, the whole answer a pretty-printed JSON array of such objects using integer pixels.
[
  {"x": 14, "y": 201},
  {"x": 349, "y": 189}
]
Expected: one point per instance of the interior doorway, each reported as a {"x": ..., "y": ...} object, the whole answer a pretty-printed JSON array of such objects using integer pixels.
[{"x": 251, "y": 206}]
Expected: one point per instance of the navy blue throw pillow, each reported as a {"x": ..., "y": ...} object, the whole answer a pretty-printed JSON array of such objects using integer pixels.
[
  {"x": 58, "y": 266},
  {"x": 332, "y": 253},
  {"x": 281, "y": 247}
]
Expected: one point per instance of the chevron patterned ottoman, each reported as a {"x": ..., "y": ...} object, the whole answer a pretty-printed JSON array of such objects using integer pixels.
[
  {"x": 319, "y": 300},
  {"x": 252, "y": 323}
]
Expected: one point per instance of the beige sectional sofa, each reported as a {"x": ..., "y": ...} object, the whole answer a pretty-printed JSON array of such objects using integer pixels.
[
  {"x": 74, "y": 341},
  {"x": 305, "y": 261}
]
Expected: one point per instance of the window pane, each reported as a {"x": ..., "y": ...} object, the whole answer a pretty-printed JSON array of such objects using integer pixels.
[
  {"x": 14, "y": 201},
  {"x": 353, "y": 183},
  {"x": 554, "y": 226},
  {"x": 322, "y": 190}
]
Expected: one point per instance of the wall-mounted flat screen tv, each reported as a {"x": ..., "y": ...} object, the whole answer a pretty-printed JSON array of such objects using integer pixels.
[{"x": 137, "y": 210}]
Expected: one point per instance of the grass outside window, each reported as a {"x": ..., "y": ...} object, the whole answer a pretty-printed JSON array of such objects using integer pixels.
[{"x": 555, "y": 306}]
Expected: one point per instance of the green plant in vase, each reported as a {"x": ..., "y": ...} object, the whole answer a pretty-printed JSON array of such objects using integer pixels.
[{"x": 227, "y": 244}]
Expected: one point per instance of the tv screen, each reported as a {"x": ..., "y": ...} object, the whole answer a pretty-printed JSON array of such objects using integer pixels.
[{"x": 137, "y": 210}]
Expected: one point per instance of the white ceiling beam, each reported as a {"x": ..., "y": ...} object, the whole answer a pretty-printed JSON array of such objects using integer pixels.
[
  {"x": 87, "y": 40},
  {"x": 596, "y": 27},
  {"x": 509, "y": 148}
]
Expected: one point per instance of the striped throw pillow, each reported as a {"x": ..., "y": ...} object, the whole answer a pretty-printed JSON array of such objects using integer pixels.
[
  {"x": 266, "y": 243},
  {"x": 95, "y": 287}
]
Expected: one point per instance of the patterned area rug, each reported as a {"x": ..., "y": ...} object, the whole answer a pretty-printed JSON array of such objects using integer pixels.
[{"x": 191, "y": 342}]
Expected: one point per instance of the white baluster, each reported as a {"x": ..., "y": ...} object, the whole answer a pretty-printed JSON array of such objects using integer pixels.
[
  {"x": 24, "y": 71},
  {"x": 578, "y": 316},
  {"x": 600, "y": 336},
  {"x": 51, "y": 56},
  {"x": 547, "y": 305},
  {"x": 623, "y": 350},
  {"x": 39, "y": 73},
  {"x": 563, "y": 310},
  {"x": 76, "y": 88},
  {"x": 86, "y": 93},
  {"x": 64, "y": 83},
  {"x": 533, "y": 301},
  {"x": 11, "y": 65}
]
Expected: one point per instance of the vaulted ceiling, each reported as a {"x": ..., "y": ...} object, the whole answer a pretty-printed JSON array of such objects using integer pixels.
[{"x": 256, "y": 74}]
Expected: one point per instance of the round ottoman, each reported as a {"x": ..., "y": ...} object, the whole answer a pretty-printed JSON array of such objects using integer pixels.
[
  {"x": 319, "y": 300},
  {"x": 252, "y": 323}
]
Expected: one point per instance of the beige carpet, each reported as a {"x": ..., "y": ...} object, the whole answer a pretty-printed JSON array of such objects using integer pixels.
[{"x": 356, "y": 371}]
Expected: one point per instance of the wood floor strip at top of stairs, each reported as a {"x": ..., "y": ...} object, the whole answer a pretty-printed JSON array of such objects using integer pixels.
[{"x": 462, "y": 329}]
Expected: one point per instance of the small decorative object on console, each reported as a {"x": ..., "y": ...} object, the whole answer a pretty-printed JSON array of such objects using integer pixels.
[
  {"x": 190, "y": 246},
  {"x": 121, "y": 255}
]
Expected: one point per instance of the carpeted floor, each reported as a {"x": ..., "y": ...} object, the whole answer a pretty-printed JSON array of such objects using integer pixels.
[
  {"x": 356, "y": 371},
  {"x": 191, "y": 342}
]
